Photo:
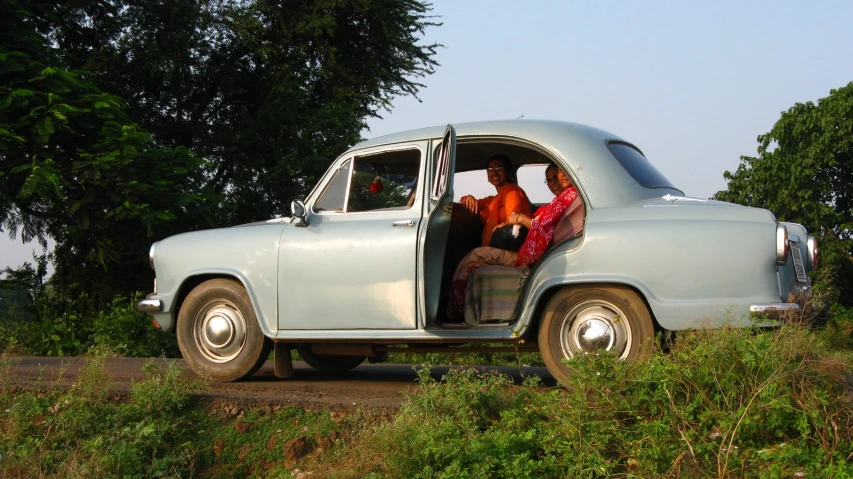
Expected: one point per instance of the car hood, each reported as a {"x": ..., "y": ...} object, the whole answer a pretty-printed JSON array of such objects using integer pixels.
[{"x": 281, "y": 219}]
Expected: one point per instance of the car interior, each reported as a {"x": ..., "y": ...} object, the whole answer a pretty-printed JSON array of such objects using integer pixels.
[{"x": 466, "y": 227}]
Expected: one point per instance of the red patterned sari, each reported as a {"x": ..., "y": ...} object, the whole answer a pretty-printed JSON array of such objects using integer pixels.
[
  {"x": 542, "y": 227},
  {"x": 538, "y": 238}
]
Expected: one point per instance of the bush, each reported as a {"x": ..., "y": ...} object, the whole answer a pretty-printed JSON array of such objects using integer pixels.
[
  {"x": 720, "y": 403},
  {"x": 118, "y": 329},
  {"x": 81, "y": 433},
  {"x": 128, "y": 332}
]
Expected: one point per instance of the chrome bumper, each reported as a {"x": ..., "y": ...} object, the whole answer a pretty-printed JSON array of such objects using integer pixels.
[
  {"x": 149, "y": 305},
  {"x": 773, "y": 310}
]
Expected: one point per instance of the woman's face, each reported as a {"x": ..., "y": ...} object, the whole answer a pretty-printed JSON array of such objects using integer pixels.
[
  {"x": 497, "y": 173},
  {"x": 556, "y": 180}
]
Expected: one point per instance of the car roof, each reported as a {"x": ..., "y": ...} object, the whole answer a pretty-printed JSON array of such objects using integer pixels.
[
  {"x": 581, "y": 148},
  {"x": 535, "y": 130}
]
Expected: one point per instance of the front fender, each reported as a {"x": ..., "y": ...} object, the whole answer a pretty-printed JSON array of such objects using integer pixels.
[{"x": 247, "y": 254}]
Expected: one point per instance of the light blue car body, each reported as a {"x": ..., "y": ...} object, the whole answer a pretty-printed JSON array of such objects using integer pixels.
[{"x": 374, "y": 276}]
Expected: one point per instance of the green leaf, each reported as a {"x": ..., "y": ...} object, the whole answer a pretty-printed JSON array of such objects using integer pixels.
[{"x": 44, "y": 130}]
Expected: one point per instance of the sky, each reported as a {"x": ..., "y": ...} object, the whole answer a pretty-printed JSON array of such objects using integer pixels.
[{"x": 692, "y": 84}]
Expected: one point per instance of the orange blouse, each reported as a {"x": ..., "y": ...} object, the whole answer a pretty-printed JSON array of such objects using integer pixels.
[{"x": 495, "y": 210}]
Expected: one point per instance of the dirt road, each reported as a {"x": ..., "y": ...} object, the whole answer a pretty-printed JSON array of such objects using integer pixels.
[{"x": 374, "y": 386}]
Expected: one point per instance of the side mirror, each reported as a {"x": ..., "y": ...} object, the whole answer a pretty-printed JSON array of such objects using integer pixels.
[{"x": 297, "y": 211}]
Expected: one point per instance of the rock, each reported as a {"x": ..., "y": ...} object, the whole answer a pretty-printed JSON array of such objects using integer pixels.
[
  {"x": 218, "y": 445},
  {"x": 244, "y": 451},
  {"x": 273, "y": 441},
  {"x": 294, "y": 450}
]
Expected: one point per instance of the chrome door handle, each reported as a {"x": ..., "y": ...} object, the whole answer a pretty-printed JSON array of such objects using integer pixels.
[{"x": 408, "y": 223}]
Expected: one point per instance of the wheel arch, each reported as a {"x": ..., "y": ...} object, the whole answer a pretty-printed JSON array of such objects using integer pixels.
[
  {"x": 191, "y": 282},
  {"x": 531, "y": 328}
]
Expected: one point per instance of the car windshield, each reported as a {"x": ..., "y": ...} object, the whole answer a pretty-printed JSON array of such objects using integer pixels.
[{"x": 639, "y": 167}]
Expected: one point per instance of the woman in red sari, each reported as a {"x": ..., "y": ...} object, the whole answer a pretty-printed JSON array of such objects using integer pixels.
[{"x": 541, "y": 230}]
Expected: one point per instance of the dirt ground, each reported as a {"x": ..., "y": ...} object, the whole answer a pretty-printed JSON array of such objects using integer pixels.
[{"x": 380, "y": 387}]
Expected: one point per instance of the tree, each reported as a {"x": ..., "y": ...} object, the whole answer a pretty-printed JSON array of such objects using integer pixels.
[
  {"x": 125, "y": 122},
  {"x": 804, "y": 174},
  {"x": 74, "y": 167},
  {"x": 268, "y": 92}
]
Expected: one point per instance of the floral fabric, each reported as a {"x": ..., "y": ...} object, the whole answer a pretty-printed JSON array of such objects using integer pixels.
[{"x": 542, "y": 227}]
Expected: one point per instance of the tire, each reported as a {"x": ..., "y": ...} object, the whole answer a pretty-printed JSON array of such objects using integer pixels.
[
  {"x": 327, "y": 362},
  {"x": 218, "y": 331},
  {"x": 616, "y": 313}
]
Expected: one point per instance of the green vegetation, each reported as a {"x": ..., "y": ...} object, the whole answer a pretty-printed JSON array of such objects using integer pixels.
[
  {"x": 724, "y": 403},
  {"x": 804, "y": 173},
  {"x": 122, "y": 123},
  {"x": 160, "y": 429},
  {"x": 721, "y": 403}
]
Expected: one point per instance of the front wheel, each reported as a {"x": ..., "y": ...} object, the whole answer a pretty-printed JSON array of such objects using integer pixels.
[
  {"x": 585, "y": 320},
  {"x": 218, "y": 332},
  {"x": 329, "y": 363}
]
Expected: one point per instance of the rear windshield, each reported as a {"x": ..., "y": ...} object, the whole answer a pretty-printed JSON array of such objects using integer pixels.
[{"x": 639, "y": 167}]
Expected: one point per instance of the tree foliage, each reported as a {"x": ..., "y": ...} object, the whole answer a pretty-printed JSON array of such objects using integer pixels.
[
  {"x": 125, "y": 122},
  {"x": 268, "y": 92},
  {"x": 804, "y": 174},
  {"x": 74, "y": 166}
]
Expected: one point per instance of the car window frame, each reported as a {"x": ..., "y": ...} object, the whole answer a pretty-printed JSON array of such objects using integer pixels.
[{"x": 351, "y": 156}]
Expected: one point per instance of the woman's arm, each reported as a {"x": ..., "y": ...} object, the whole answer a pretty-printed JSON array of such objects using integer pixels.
[{"x": 520, "y": 219}]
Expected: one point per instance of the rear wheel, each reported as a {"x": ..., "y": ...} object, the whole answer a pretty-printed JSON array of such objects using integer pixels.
[
  {"x": 328, "y": 362},
  {"x": 218, "y": 332},
  {"x": 585, "y": 320}
]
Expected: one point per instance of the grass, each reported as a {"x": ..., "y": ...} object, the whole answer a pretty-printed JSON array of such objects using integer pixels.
[{"x": 718, "y": 403}]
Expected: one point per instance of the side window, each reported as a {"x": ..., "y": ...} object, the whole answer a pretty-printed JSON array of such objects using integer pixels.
[
  {"x": 333, "y": 196},
  {"x": 384, "y": 180}
]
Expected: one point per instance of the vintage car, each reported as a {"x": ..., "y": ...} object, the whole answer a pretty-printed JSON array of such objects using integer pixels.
[{"x": 358, "y": 270}]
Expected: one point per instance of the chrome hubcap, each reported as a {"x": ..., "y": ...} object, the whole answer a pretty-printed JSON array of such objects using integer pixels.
[
  {"x": 219, "y": 331},
  {"x": 595, "y": 326}
]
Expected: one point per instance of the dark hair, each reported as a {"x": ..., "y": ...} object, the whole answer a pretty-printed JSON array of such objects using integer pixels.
[
  {"x": 507, "y": 164},
  {"x": 503, "y": 238}
]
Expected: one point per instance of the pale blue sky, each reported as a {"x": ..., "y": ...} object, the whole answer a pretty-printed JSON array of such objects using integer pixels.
[{"x": 691, "y": 83}]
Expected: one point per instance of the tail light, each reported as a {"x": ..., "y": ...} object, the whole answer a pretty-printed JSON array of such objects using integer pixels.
[
  {"x": 814, "y": 251},
  {"x": 781, "y": 244}
]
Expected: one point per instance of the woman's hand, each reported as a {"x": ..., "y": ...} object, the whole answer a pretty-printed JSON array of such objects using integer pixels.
[
  {"x": 470, "y": 202},
  {"x": 518, "y": 219},
  {"x": 499, "y": 226}
]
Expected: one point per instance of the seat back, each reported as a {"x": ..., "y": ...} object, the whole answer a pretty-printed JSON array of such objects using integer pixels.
[{"x": 570, "y": 224}]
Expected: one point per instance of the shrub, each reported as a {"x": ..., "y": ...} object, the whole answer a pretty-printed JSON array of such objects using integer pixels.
[
  {"x": 127, "y": 332},
  {"x": 81, "y": 433},
  {"x": 720, "y": 403}
]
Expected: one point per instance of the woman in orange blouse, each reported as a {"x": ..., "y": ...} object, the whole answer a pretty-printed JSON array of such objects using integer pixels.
[{"x": 495, "y": 210}]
